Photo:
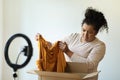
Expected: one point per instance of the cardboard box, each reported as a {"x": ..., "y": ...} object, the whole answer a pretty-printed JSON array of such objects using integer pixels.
[{"x": 74, "y": 71}]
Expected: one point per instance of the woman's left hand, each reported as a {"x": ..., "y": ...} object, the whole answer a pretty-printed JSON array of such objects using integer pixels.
[{"x": 63, "y": 46}]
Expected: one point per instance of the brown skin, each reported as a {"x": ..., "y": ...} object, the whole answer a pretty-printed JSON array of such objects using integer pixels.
[
  {"x": 88, "y": 33},
  {"x": 37, "y": 36}
]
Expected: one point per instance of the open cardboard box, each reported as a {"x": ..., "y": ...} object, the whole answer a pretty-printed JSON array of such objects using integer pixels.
[{"x": 74, "y": 71}]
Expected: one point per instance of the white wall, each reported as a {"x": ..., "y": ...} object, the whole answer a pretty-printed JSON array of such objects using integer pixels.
[
  {"x": 1, "y": 36},
  {"x": 55, "y": 19}
]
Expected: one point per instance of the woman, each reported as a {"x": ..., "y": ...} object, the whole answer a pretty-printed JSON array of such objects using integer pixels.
[{"x": 86, "y": 47}]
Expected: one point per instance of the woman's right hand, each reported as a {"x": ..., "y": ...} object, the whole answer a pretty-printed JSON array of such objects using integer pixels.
[{"x": 37, "y": 36}]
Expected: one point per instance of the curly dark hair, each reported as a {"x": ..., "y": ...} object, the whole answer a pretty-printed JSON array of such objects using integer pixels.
[{"x": 96, "y": 19}]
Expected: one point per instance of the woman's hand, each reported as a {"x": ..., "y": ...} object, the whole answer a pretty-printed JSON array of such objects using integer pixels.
[
  {"x": 37, "y": 36},
  {"x": 64, "y": 47}
]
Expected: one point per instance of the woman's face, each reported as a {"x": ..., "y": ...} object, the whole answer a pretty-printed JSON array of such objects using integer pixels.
[{"x": 88, "y": 33}]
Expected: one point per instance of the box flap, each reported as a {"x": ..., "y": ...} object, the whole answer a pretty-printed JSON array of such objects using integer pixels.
[
  {"x": 56, "y": 74},
  {"x": 64, "y": 75},
  {"x": 93, "y": 74}
]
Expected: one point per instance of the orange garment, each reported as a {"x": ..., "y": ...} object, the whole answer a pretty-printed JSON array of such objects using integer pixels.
[{"x": 51, "y": 58}]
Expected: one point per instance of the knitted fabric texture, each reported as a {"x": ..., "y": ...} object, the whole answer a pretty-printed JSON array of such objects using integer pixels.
[{"x": 51, "y": 58}]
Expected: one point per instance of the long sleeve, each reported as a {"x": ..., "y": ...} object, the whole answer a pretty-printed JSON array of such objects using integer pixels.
[
  {"x": 90, "y": 53},
  {"x": 94, "y": 57}
]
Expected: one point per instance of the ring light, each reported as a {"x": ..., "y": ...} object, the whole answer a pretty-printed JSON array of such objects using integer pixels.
[{"x": 29, "y": 52}]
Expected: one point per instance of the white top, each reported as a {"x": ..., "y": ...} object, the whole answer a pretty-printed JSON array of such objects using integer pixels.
[{"x": 90, "y": 53}]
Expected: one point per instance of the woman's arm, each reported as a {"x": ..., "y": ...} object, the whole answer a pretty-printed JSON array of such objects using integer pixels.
[{"x": 94, "y": 57}]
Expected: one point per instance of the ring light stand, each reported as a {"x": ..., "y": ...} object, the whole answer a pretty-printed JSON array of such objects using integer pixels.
[{"x": 28, "y": 51}]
